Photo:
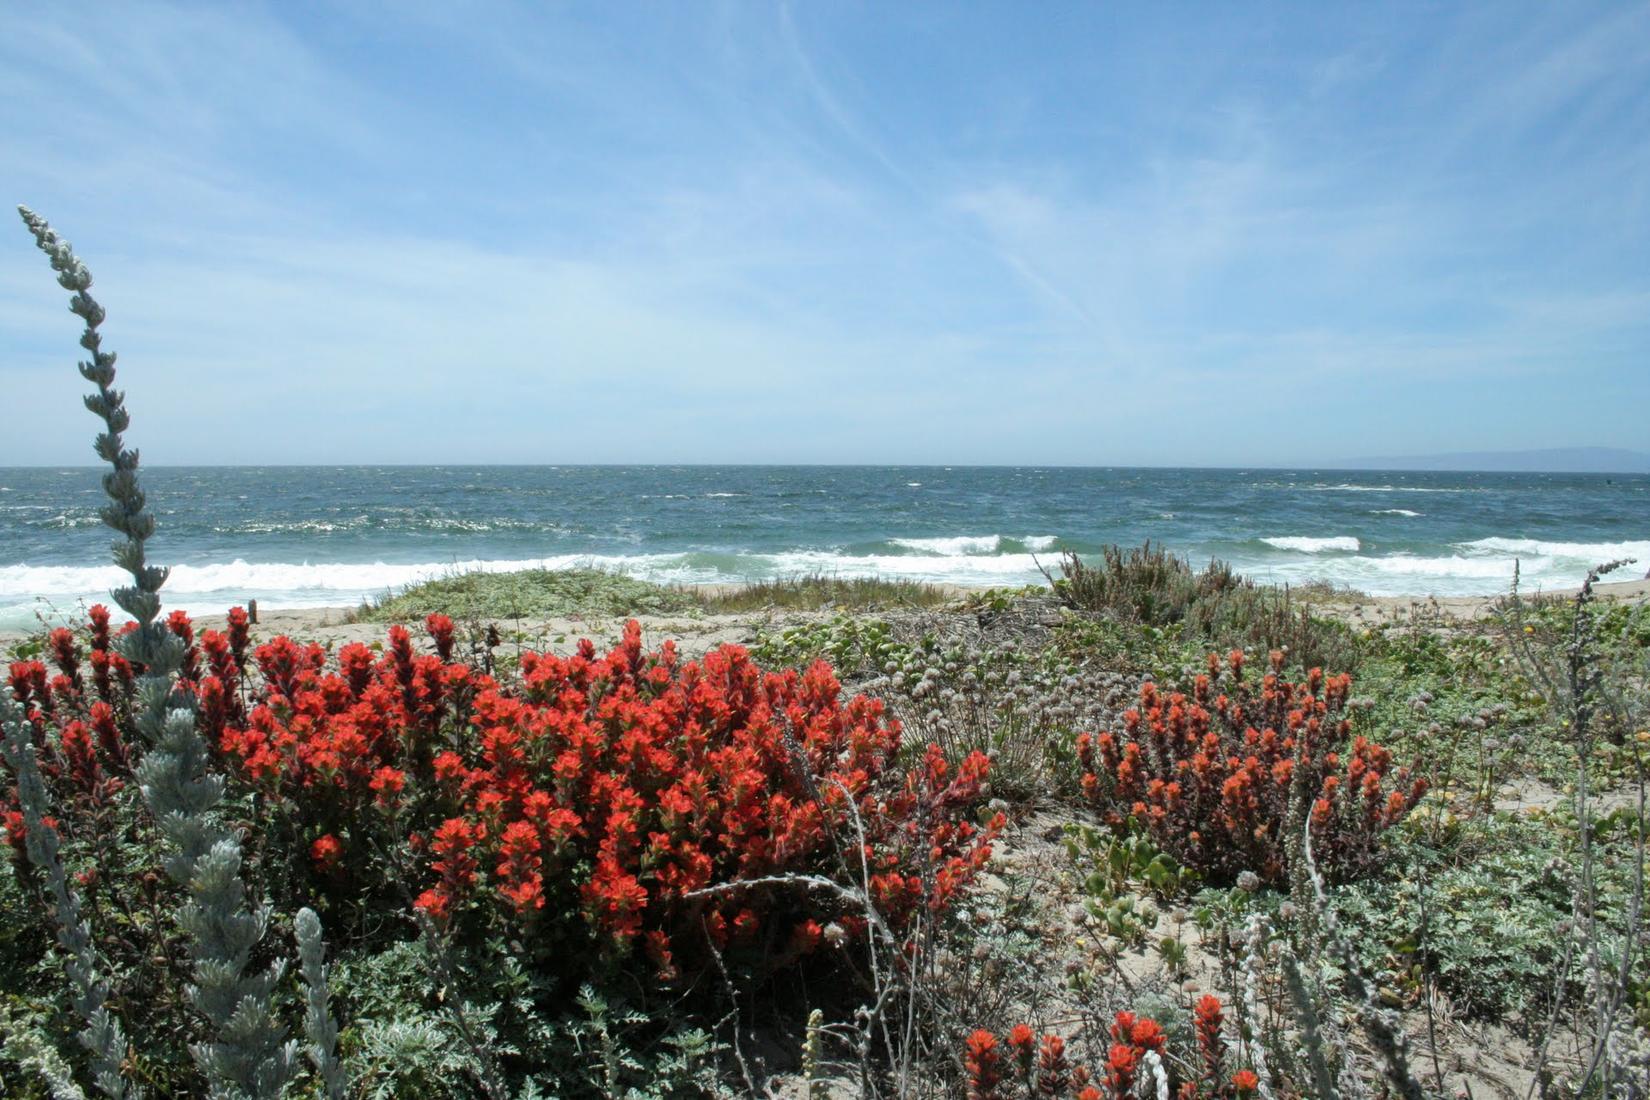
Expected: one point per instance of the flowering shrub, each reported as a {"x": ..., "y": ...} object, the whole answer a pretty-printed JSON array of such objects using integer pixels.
[
  {"x": 600, "y": 799},
  {"x": 1020, "y": 1065},
  {"x": 603, "y": 795},
  {"x": 1213, "y": 777},
  {"x": 78, "y": 731}
]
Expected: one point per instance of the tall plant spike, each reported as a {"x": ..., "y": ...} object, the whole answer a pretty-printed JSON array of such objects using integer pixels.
[
  {"x": 248, "y": 1053},
  {"x": 102, "y": 1037},
  {"x": 319, "y": 1026}
]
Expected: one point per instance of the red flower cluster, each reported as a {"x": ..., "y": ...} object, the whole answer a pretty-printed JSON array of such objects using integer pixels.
[
  {"x": 1208, "y": 1019},
  {"x": 1033, "y": 1068},
  {"x": 76, "y": 734},
  {"x": 76, "y": 731},
  {"x": 332, "y": 743},
  {"x": 1210, "y": 776},
  {"x": 1131, "y": 1038},
  {"x": 112, "y": 674},
  {"x": 289, "y": 727},
  {"x": 1029, "y": 1069},
  {"x": 599, "y": 795},
  {"x": 667, "y": 778},
  {"x": 983, "y": 1061},
  {"x": 326, "y": 852},
  {"x": 620, "y": 799}
]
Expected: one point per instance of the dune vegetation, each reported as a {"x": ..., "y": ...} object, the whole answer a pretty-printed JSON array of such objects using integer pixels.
[
  {"x": 1151, "y": 831},
  {"x": 559, "y": 593}
]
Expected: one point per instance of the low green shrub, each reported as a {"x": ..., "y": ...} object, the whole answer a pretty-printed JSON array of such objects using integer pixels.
[
  {"x": 1145, "y": 584},
  {"x": 820, "y": 591},
  {"x": 1484, "y": 909},
  {"x": 1155, "y": 589},
  {"x": 1021, "y": 704},
  {"x": 528, "y": 594}
]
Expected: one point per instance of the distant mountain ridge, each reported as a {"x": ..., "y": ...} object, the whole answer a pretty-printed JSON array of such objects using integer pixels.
[{"x": 1555, "y": 460}]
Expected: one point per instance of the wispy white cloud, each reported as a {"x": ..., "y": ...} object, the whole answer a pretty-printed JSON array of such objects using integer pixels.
[{"x": 729, "y": 233}]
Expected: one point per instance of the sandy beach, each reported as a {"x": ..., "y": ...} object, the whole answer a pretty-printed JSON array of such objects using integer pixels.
[
  {"x": 1378, "y": 609},
  {"x": 696, "y": 633}
]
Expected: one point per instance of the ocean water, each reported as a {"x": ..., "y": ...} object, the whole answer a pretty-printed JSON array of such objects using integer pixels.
[{"x": 324, "y": 536}]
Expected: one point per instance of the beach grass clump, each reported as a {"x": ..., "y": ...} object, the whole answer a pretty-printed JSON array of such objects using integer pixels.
[
  {"x": 1264, "y": 617},
  {"x": 821, "y": 591},
  {"x": 1144, "y": 584},
  {"x": 1149, "y": 586},
  {"x": 528, "y": 594}
]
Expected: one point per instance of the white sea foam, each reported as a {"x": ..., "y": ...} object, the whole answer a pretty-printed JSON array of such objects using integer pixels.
[
  {"x": 956, "y": 569},
  {"x": 1406, "y": 565},
  {"x": 65, "y": 521},
  {"x": 305, "y": 526},
  {"x": 239, "y": 575},
  {"x": 1313, "y": 545},
  {"x": 1398, "y": 575},
  {"x": 953, "y": 547},
  {"x": 970, "y": 545},
  {"x": 1594, "y": 552},
  {"x": 1479, "y": 567},
  {"x": 213, "y": 588},
  {"x": 1349, "y": 488},
  {"x": 1392, "y": 512},
  {"x": 1482, "y": 568}
]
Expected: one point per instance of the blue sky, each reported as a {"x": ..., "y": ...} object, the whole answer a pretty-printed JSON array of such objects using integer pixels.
[{"x": 1096, "y": 234}]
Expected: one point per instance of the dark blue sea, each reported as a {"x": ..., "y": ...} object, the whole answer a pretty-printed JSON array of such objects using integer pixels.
[{"x": 324, "y": 536}]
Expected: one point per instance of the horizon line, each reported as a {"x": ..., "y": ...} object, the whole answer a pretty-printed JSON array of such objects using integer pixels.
[{"x": 1293, "y": 467}]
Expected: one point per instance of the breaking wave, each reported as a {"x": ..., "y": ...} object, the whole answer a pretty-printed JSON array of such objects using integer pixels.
[{"x": 1313, "y": 546}]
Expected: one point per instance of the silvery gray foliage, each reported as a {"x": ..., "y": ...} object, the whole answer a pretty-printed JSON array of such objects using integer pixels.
[
  {"x": 319, "y": 1026},
  {"x": 102, "y": 1036},
  {"x": 1379, "y": 1022},
  {"x": 23, "y": 1043},
  {"x": 248, "y": 1053}
]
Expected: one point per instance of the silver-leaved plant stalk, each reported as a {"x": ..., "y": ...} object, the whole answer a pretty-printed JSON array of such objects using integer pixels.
[
  {"x": 103, "y": 1038},
  {"x": 246, "y": 1052}
]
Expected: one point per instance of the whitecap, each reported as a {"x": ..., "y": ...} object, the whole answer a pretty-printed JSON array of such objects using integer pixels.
[
  {"x": 1350, "y": 488},
  {"x": 1313, "y": 545},
  {"x": 1595, "y": 552},
  {"x": 1465, "y": 573},
  {"x": 940, "y": 569},
  {"x": 953, "y": 547}
]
